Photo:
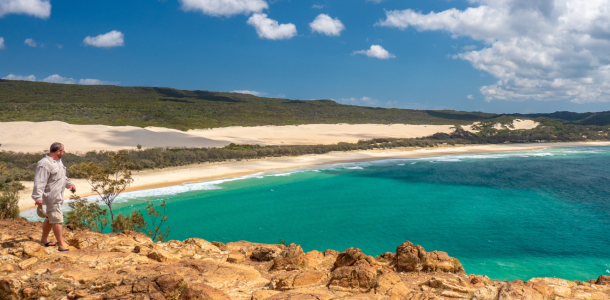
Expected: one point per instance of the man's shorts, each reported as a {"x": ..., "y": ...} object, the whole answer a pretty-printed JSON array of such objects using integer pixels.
[{"x": 54, "y": 213}]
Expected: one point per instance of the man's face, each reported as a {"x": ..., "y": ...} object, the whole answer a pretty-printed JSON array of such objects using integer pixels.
[{"x": 60, "y": 152}]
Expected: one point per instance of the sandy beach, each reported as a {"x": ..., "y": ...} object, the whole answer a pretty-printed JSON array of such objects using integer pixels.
[
  {"x": 37, "y": 136},
  {"x": 150, "y": 179}
]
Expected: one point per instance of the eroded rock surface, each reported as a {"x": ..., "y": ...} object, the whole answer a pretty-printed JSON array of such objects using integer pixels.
[{"x": 130, "y": 266}]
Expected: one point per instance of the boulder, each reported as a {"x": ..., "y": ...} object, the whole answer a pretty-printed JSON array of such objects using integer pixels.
[
  {"x": 32, "y": 249},
  {"x": 410, "y": 258},
  {"x": 292, "y": 255},
  {"x": 200, "y": 291},
  {"x": 603, "y": 280},
  {"x": 265, "y": 253},
  {"x": 441, "y": 261},
  {"x": 349, "y": 257},
  {"x": 358, "y": 278}
]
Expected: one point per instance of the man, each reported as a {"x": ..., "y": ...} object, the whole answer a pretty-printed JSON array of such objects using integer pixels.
[{"x": 50, "y": 181}]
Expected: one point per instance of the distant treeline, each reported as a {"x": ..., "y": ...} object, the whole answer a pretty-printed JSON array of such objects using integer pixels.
[{"x": 20, "y": 166}]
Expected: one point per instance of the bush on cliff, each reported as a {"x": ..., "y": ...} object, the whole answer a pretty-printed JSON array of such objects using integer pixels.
[
  {"x": 9, "y": 193},
  {"x": 109, "y": 180}
]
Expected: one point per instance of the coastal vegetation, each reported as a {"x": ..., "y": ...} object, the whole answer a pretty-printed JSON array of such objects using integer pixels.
[
  {"x": 181, "y": 109},
  {"x": 9, "y": 198},
  {"x": 108, "y": 181},
  {"x": 20, "y": 166}
]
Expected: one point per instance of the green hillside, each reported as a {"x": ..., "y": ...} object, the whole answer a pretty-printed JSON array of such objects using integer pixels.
[
  {"x": 165, "y": 107},
  {"x": 180, "y": 109}
]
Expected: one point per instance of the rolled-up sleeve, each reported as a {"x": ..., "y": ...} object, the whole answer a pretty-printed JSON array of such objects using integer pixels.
[
  {"x": 40, "y": 181},
  {"x": 68, "y": 182}
]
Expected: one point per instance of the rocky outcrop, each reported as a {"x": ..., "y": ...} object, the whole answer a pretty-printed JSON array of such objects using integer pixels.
[
  {"x": 410, "y": 258},
  {"x": 291, "y": 256},
  {"x": 130, "y": 266}
]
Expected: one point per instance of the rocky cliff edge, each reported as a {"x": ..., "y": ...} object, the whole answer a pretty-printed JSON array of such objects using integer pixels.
[{"x": 130, "y": 266}]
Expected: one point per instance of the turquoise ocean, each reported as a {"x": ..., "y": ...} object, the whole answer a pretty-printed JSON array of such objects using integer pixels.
[{"x": 510, "y": 215}]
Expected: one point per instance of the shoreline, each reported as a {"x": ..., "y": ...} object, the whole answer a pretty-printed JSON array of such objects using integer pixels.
[{"x": 173, "y": 176}]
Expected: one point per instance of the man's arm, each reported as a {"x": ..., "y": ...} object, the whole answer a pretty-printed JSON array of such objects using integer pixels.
[
  {"x": 69, "y": 184},
  {"x": 40, "y": 182}
]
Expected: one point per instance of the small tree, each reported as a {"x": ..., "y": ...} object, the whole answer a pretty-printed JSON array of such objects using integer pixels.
[
  {"x": 9, "y": 194},
  {"x": 158, "y": 219},
  {"x": 134, "y": 222},
  {"x": 108, "y": 182},
  {"x": 87, "y": 215}
]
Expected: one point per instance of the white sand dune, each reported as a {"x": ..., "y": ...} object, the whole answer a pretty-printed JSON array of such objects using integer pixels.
[{"x": 37, "y": 136}]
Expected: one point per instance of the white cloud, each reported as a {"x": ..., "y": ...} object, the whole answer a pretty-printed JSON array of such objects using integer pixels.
[
  {"x": 469, "y": 47},
  {"x": 270, "y": 29},
  {"x": 365, "y": 101},
  {"x": 30, "y": 42},
  {"x": 107, "y": 40},
  {"x": 327, "y": 25},
  {"x": 18, "y": 77},
  {"x": 255, "y": 93},
  {"x": 90, "y": 81},
  {"x": 542, "y": 49},
  {"x": 377, "y": 52},
  {"x": 471, "y": 97},
  {"x": 317, "y": 6},
  {"x": 225, "y": 8},
  {"x": 36, "y": 8},
  {"x": 58, "y": 79},
  {"x": 2, "y": 46},
  {"x": 375, "y": 1}
]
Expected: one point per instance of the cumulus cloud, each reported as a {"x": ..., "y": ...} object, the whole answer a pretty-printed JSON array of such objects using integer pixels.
[
  {"x": 56, "y": 78},
  {"x": 255, "y": 93},
  {"x": 19, "y": 77},
  {"x": 30, "y": 42},
  {"x": 224, "y": 8},
  {"x": 37, "y": 8},
  {"x": 317, "y": 6},
  {"x": 375, "y": 1},
  {"x": 2, "y": 46},
  {"x": 326, "y": 25},
  {"x": 59, "y": 79},
  {"x": 471, "y": 97},
  {"x": 377, "y": 52},
  {"x": 107, "y": 40},
  {"x": 270, "y": 29},
  {"x": 537, "y": 49}
]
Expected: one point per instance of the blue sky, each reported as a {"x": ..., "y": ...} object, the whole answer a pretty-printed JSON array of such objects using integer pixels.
[{"x": 478, "y": 55}]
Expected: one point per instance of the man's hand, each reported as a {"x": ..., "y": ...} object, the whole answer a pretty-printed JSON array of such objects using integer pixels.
[
  {"x": 39, "y": 203},
  {"x": 73, "y": 189}
]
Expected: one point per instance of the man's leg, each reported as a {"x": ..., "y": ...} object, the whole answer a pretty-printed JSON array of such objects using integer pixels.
[
  {"x": 58, "y": 231},
  {"x": 46, "y": 228}
]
